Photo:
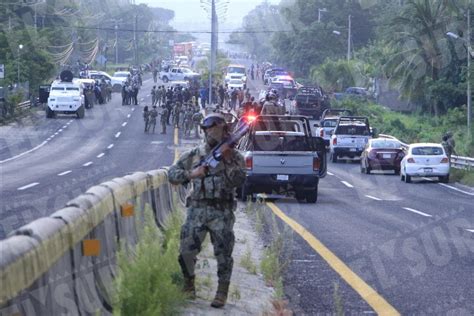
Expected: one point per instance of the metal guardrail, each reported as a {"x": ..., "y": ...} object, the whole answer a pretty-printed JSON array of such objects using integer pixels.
[
  {"x": 457, "y": 162},
  {"x": 24, "y": 105}
]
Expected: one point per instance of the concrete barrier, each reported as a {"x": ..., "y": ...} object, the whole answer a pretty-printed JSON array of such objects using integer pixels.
[{"x": 66, "y": 263}]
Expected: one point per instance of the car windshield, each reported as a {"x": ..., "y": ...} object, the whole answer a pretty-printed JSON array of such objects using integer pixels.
[
  {"x": 280, "y": 143},
  {"x": 72, "y": 89},
  {"x": 427, "y": 151},
  {"x": 57, "y": 89},
  {"x": 385, "y": 144},
  {"x": 235, "y": 82},
  {"x": 236, "y": 70},
  {"x": 329, "y": 123},
  {"x": 121, "y": 74}
]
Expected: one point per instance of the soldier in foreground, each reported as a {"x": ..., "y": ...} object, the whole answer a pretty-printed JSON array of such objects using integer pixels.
[{"x": 210, "y": 205}]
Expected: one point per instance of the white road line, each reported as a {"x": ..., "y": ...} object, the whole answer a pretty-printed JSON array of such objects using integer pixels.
[
  {"x": 470, "y": 230},
  {"x": 56, "y": 133},
  {"x": 347, "y": 184},
  {"x": 28, "y": 186},
  {"x": 24, "y": 153},
  {"x": 128, "y": 116},
  {"x": 100, "y": 155},
  {"x": 142, "y": 99},
  {"x": 329, "y": 173},
  {"x": 417, "y": 212},
  {"x": 373, "y": 198},
  {"x": 456, "y": 189},
  {"x": 118, "y": 134},
  {"x": 157, "y": 142},
  {"x": 64, "y": 173},
  {"x": 124, "y": 124},
  {"x": 110, "y": 146},
  {"x": 65, "y": 126},
  {"x": 60, "y": 130},
  {"x": 147, "y": 95},
  {"x": 87, "y": 164},
  {"x": 133, "y": 109}
]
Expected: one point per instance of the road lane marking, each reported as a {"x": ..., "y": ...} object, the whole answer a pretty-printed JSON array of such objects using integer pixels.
[
  {"x": 347, "y": 184},
  {"x": 128, "y": 116},
  {"x": 417, "y": 212},
  {"x": 56, "y": 133},
  {"x": 100, "y": 155},
  {"x": 26, "y": 152},
  {"x": 60, "y": 130},
  {"x": 373, "y": 198},
  {"x": 142, "y": 99},
  {"x": 133, "y": 109},
  {"x": 87, "y": 164},
  {"x": 65, "y": 126},
  {"x": 110, "y": 146},
  {"x": 28, "y": 186},
  {"x": 118, "y": 134},
  {"x": 147, "y": 95},
  {"x": 456, "y": 189},
  {"x": 64, "y": 173},
  {"x": 329, "y": 173},
  {"x": 124, "y": 124},
  {"x": 374, "y": 299},
  {"x": 470, "y": 230}
]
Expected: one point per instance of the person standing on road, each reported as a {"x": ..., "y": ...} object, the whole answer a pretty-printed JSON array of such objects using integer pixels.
[
  {"x": 270, "y": 107},
  {"x": 448, "y": 145},
  {"x": 146, "y": 117},
  {"x": 210, "y": 206},
  {"x": 153, "y": 95},
  {"x": 164, "y": 116}
]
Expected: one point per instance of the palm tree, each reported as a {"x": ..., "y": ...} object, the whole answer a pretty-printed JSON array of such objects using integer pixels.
[{"x": 421, "y": 47}]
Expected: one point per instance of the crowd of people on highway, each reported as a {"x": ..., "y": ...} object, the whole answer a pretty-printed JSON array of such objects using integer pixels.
[{"x": 130, "y": 89}]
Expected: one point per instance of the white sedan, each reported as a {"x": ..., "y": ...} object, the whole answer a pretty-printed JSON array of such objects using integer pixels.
[{"x": 425, "y": 160}]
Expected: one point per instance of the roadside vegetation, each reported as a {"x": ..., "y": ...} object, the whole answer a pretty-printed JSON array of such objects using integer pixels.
[{"x": 149, "y": 278}]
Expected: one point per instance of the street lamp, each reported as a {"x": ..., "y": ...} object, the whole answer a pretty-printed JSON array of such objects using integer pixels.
[
  {"x": 349, "y": 35},
  {"x": 467, "y": 40},
  {"x": 20, "y": 47}
]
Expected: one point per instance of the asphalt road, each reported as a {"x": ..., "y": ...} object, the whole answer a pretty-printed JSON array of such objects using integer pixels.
[{"x": 47, "y": 162}]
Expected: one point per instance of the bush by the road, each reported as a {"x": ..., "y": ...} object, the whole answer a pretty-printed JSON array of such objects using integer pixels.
[
  {"x": 416, "y": 127},
  {"x": 149, "y": 280}
]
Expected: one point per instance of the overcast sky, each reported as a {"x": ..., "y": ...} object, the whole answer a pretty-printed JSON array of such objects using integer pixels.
[{"x": 190, "y": 13}]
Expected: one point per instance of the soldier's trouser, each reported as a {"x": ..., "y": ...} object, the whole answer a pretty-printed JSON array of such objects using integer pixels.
[{"x": 219, "y": 223}]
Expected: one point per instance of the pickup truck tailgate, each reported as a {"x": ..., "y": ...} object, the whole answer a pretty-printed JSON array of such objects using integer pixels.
[
  {"x": 351, "y": 141},
  {"x": 283, "y": 162}
]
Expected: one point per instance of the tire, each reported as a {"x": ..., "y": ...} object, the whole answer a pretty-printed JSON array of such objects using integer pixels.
[
  {"x": 444, "y": 179},
  {"x": 334, "y": 158},
  {"x": 165, "y": 79},
  {"x": 407, "y": 179},
  {"x": 402, "y": 177},
  {"x": 49, "y": 112},
  {"x": 300, "y": 197},
  {"x": 397, "y": 172},
  {"x": 312, "y": 196},
  {"x": 80, "y": 112}
]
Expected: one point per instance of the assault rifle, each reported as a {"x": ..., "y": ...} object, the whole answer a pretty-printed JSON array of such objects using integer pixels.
[{"x": 216, "y": 155}]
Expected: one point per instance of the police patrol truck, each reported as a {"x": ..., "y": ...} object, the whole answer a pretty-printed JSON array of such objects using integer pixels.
[{"x": 66, "y": 96}]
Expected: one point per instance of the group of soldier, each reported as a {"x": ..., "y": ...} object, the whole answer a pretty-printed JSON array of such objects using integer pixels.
[
  {"x": 130, "y": 90},
  {"x": 100, "y": 92}
]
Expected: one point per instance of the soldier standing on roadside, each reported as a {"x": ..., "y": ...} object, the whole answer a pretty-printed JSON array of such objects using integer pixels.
[
  {"x": 163, "y": 119},
  {"x": 210, "y": 206}
]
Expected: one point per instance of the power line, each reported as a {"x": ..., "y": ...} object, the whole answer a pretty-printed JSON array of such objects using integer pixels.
[{"x": 175, "y": 31}]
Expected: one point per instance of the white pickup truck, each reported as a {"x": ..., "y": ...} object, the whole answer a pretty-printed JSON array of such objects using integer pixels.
[
  {"x": 325, "y": 127},
  {"x": 178, "y": 74},
  {"x": 350, "y": 136}
]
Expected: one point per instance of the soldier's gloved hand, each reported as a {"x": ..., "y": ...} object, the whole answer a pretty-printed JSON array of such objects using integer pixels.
[
  {"x": 199, "y": 172},
  {"x": 226, "y": 152}
]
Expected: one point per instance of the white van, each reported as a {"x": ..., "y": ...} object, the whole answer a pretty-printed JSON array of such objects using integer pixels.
[
  {"x": 67, "y": 98},
  {"x": 235, "y": 71}
]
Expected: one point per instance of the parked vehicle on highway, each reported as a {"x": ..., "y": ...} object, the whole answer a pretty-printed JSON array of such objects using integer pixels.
[
  {"x": 236, "y": 72},
  {"x": 66, "y": 96},
  {"x": 178, "y": 74},
  {"x": 353, "y": 92},
  {"x": 381, "y": 154},
  {"x": 281, "y": 156},
  {"x": 117, "y": 80},
  {"x": 310, "y": 101},
  {"x": 236, "y": 84},
  {"x": 425, "y": 160},
  {"x": 351, "y": 135},
  {"x": 270, "y": 74},
  {"x": 328, "y": 122}
]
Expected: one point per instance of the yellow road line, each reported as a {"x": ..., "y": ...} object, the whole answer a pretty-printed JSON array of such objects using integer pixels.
[
  {"x": 375, "y": 300},
  {"x": 176, "y": 143}
]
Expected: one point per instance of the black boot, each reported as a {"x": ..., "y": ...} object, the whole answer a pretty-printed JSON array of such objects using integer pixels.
[
  {"x": 221, "y": 295},
  {"x": 188, "y": 288}
]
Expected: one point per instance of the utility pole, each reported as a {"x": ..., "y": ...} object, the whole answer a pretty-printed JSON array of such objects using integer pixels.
[
  {"x": 349, "y": 31},
  {"x": 213, "y": 47},
  {"x": 135, "y": 45},
  {"x": 116, "y": 42},
  {"x": 469, "y": 113}
]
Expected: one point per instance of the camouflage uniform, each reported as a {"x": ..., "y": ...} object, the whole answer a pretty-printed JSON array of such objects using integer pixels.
[
  {"x": 197, "y": 117},
  {"x": 188, "y": 121},
  {"x": 153, "y": 115},
  {"x": 210, "y": 207},
  {"x": 163, "y": 120}
]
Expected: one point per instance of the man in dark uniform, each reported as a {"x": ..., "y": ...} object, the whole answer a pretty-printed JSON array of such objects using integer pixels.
[{"x": 210, "y": 205}]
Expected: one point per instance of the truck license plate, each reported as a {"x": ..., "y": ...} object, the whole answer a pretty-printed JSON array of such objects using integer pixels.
[
  {"x": 282, "y": 177},
  {"x": 352, "y": 149},
  {"x": 387, "y": 156}
]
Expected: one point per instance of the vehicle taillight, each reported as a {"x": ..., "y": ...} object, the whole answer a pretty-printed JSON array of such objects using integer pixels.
[
  {"x": 411, "y": 160},
  {"x": 316, "y": 163},
  {"x": 321, "y": 133},
  {"x": 334, "y": 141},
  {"x": 249, "y": 162},
  {"x": 445, "y": 160}
]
